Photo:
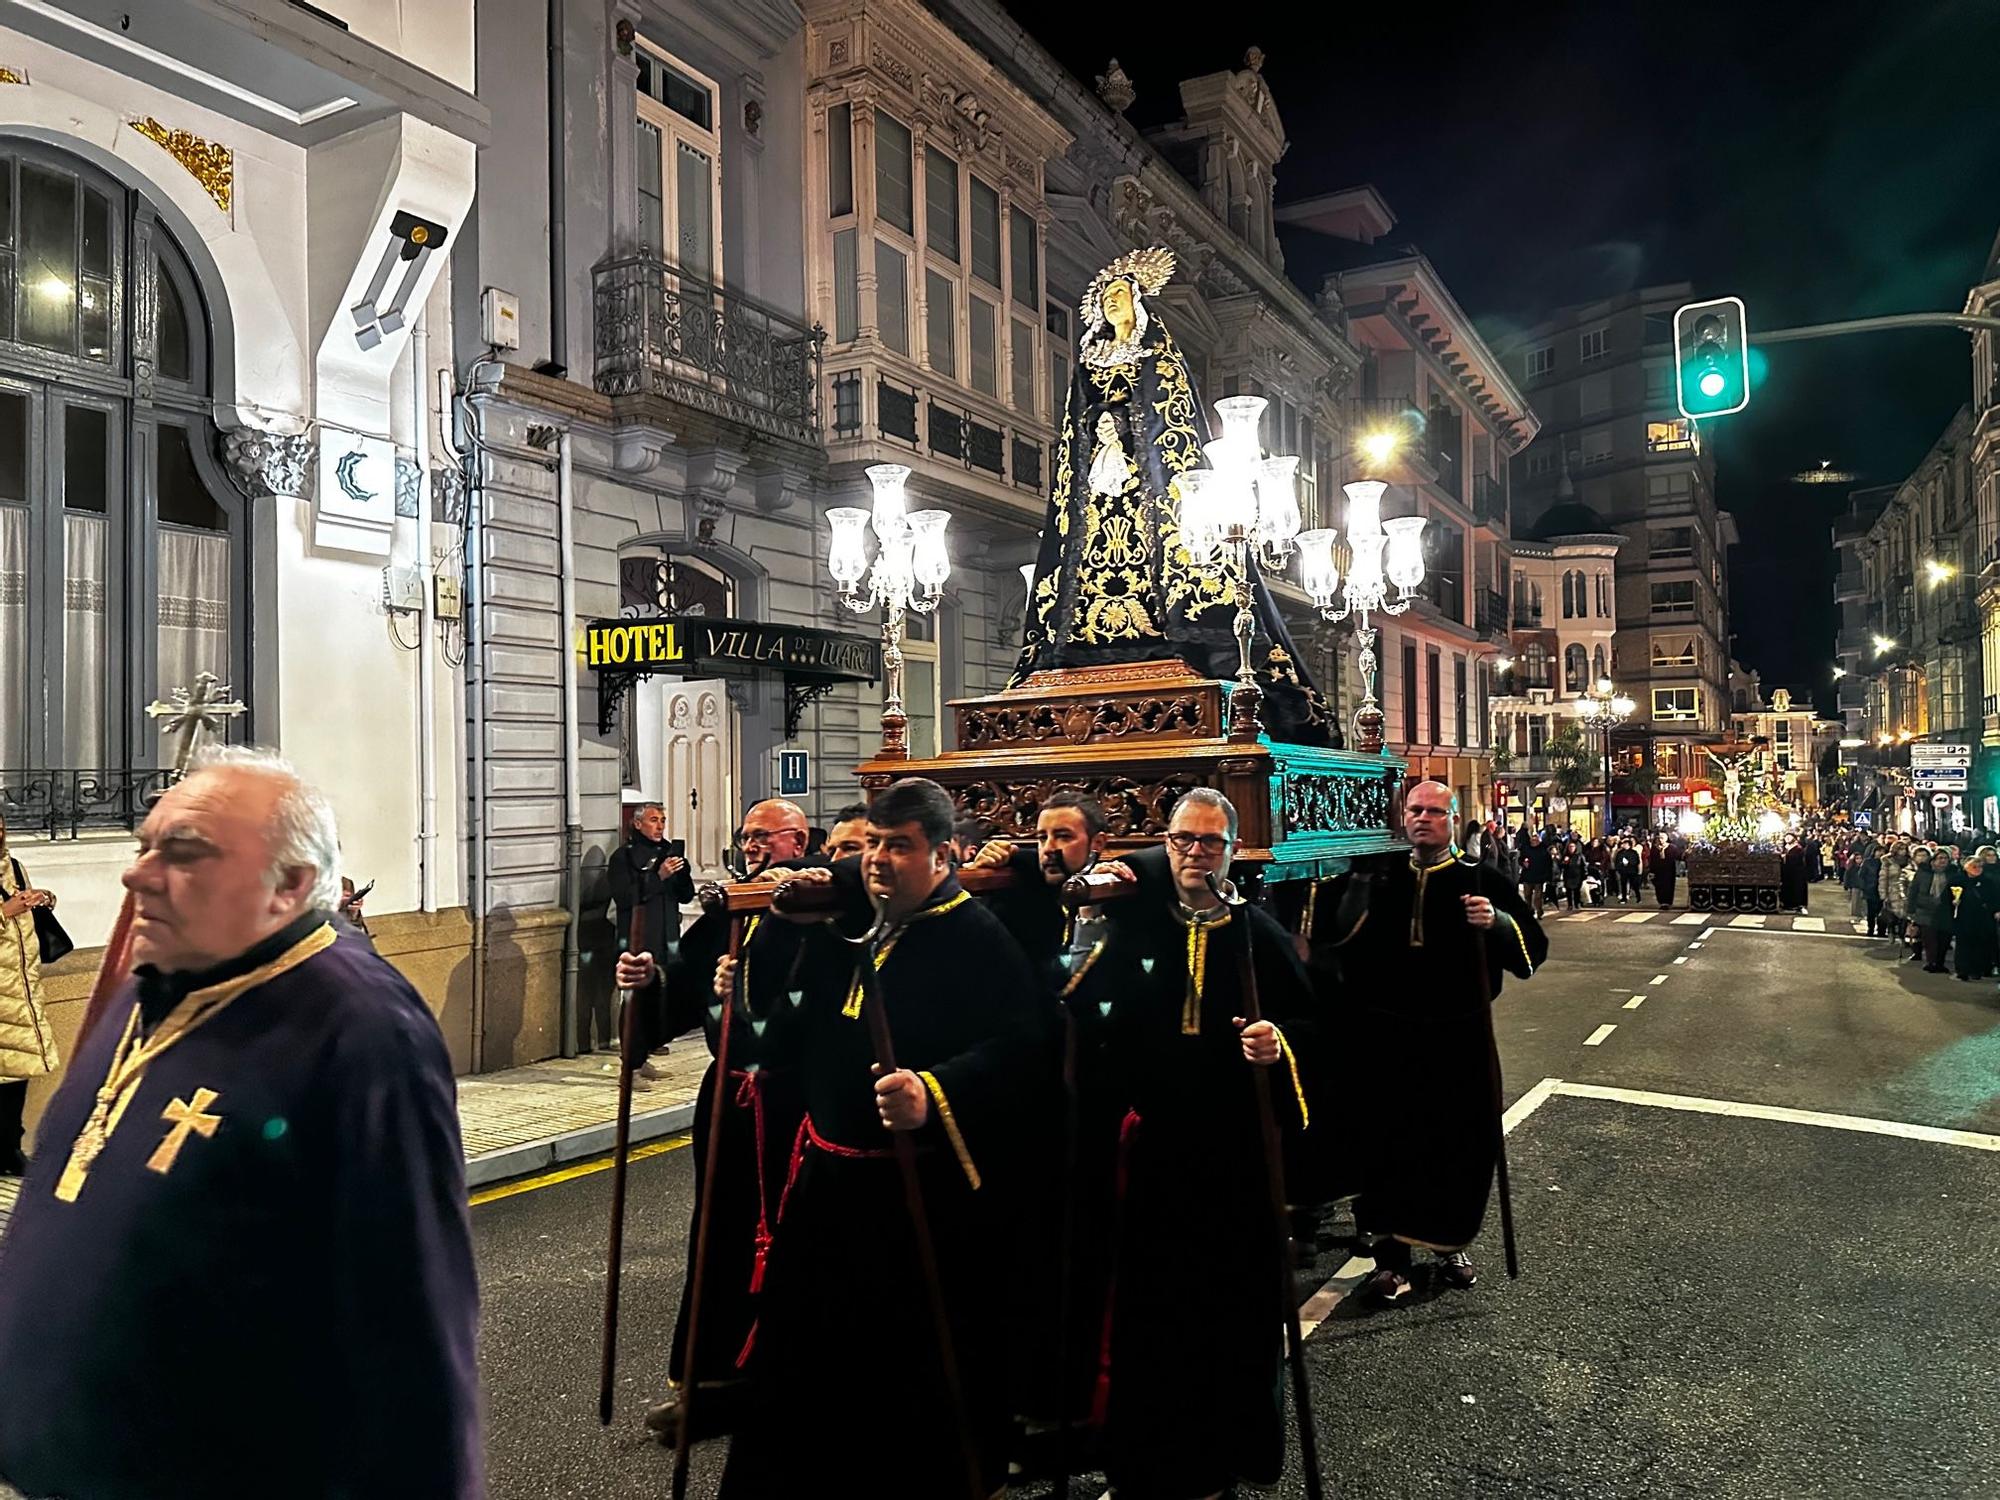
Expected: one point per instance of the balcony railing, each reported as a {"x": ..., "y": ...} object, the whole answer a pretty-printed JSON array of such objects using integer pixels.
[
  {"x": 663, "y": 332},
  {"x": 63, "y": 803},
  {"x": 1849, "y": 583},
  {"x": 938, "y": 422},
  {"x": 1492, "y": 606},
  {"x": 1489, "y": 501}
]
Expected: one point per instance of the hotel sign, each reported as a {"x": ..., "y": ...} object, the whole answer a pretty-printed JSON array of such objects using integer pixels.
[{"x": 623, "y": 652}]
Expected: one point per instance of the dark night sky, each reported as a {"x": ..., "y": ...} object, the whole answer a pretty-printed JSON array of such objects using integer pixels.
[{"x": 1823, "y": 161}]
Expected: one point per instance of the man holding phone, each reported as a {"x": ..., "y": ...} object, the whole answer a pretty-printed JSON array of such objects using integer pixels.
[{"x": 650, "y": 874}]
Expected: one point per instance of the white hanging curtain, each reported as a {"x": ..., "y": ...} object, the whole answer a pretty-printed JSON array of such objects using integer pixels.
[
  {"x": 16, "y": 684},
  {"x": 85, "y": 641},
  {"x": 194, "y": 609}
]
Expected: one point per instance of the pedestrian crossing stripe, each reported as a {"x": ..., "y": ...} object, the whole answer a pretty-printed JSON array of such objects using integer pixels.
[{"x": 1721, "y": 920}]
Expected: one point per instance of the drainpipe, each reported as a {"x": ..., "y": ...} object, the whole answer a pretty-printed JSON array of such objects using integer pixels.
[
  {"x": 572, "y": 786},
  {"x": 557, "y": 363},
  {"x": 420, "y": 355},
  {"x": 470, "y": 460}
]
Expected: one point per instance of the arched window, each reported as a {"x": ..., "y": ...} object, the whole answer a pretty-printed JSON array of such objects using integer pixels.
[
  {"x": 1535, "y": 602},
  {"x": 1604, "y": 595},
  {"x": 1597, "y": 664},
  {"x": 1576, "y": 669},
  {"x": 1535, "y": 665},
  {"x": 1575, "y": 601},
  {"x": 122, "y": 556}
]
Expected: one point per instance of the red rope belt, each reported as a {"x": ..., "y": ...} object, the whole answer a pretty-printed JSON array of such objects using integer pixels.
[{"x": 808, "y": 1136}]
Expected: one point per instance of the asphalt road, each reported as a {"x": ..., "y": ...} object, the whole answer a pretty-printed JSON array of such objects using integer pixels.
[{"x": 1714, "y": 1302}]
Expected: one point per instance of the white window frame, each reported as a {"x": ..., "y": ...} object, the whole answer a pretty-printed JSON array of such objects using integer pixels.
[
  {"x": 1673, "y": 712},
  {"x": 1593, "y": 344},
  {"x": 676, "y": 129},
  {"x": 1588, "y": 456},
  {"x": 917, "y": 647},
  {"x": 1540, "y": 360}
]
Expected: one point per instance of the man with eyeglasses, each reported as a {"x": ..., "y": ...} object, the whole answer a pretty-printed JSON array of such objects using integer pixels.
[
  {"x": 765, "y": 1107},
  {"x": 1407, "y": 938},
  {"x": 1190, "y": 1391}
]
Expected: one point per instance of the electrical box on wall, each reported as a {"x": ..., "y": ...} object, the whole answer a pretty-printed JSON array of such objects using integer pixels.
[
  {"x": 500, "y": 318},
  {"x": 402, "y": 590},
  {"x": 448, "y": 599}
]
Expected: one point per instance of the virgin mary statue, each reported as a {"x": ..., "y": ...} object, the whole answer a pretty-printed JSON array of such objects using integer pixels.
[{"x": 1112, "y": 581}]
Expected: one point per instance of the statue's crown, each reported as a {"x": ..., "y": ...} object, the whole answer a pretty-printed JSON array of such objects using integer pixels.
[{"x": 1148, "y": 269}]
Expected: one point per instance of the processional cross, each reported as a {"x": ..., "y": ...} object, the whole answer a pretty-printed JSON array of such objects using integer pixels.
[{"x": 206, "y": 706}]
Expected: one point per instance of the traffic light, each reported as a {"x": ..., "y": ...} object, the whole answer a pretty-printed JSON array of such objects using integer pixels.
[{"x": 1711, "y": 358}]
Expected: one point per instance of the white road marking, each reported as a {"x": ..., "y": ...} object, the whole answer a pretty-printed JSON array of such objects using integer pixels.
[
  {"x": 1707, "y": 933},
  {"x": 1657, "y": 979},
  {"x": 1809, "y": 924},
  {"x": 1596, "y": 1038},
  {"x": 1861, "y": 1124},
  {"x": 1527, "y": 1104},
  {"x": 1680, "y": 958},
  {"x": 1635, "y": 1002},
  {"x": 1320, "y": 1305},
  {"x": 1637, "y": 916},
  {"x": 1748, "y": 921},
  {"x": 1860, "y": 927},
  {"x": 1694, "y": 947},
  {"x": 1690, "y": 919}
]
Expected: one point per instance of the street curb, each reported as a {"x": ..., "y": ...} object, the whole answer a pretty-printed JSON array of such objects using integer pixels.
[{"x": 574, "y": 1145}]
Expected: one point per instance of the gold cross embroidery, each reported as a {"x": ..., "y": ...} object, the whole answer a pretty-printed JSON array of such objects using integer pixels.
[{"x": 186, "y": 1119}]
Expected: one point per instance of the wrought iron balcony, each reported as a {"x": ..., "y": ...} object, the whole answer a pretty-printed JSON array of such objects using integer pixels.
[
  {"x": 63, "y": 803},
  {"x": 1489, "y": 501},
  {"x": 663, "y": 332},
  {"x": 1492, "y": 607}
]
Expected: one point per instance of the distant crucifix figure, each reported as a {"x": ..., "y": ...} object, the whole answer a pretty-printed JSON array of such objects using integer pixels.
[
  {"x": 1732, "y": 763},
  {"x": 206, "y": 706}
]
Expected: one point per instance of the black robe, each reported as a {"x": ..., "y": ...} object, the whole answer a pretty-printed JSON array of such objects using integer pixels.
[
  {"x": 286, "y": 1307},
  {"x": 851, "y": 1393},
  {"x": 762, "y": 1107},
  {"x": 1192, "y": 1343},
  {"x": 1430, "y": 1100},
  {"x": 1792, "y": 880}
]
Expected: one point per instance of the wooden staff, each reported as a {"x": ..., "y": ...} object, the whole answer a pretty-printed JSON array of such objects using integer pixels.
[
  {"x": 1499, "y": 1114},
  {"x": 111, "y": 970},
  {"x": 628, "y": 1043},
  {"x": 1274, "y": 1175},
  {"x": 683, "y": 1439},
  {"x": 877, "y": 1017}
]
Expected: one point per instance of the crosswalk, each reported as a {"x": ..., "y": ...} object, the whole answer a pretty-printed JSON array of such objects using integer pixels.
[{"x": 1751, "y": 921}]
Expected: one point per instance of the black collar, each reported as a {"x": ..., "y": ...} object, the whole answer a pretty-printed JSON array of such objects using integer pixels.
[{"x": 160, "y": 993}]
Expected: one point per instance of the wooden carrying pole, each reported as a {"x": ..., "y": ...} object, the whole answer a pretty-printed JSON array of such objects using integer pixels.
[
  {"x": 628, "y": 1043},
  {"x": 1274, "y": 1175},
  {"x": 683, "y": 1436},
  {"x": 877, "y": 1017}
]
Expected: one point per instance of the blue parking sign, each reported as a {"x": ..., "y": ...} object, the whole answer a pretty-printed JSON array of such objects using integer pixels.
[{"x": 794, "y": 773}]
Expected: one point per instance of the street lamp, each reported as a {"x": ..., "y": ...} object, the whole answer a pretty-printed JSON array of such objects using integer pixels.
[
  {"x": 1239, "y": 506},
  {"x": 910, "y": 568},
  {"x": 1603, "y": 710},
  {"x": 1386, "y": 555}
]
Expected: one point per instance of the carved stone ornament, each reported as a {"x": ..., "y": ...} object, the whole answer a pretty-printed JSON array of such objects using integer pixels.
[
  {"x": 266, "y": 464},
  {"x": 1114, "y": 87},
  {"x": 971, "y": 123},
  {"x": 836, "y": 52},
  {"x": 886, "y": 62},
  {"x": 210, "y": 164},
  {"x": 753, "y": 117},
  {"x": 13, "y": 75},
  {"x": 624, "y": 34},
  {"x": 447, "y": 492},
  {"x": 408, "y": 485}
]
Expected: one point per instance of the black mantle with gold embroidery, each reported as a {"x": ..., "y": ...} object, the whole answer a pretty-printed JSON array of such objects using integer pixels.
[{"x": 1112, "y": 581}]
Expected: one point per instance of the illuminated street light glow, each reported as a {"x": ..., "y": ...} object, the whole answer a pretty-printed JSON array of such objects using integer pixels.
[
  {"x": 1690, "y": 823},
  {"x": 1936, "y": 572},
  {"x": 1852, "y": 742},
  {"x": 1882, "y": 643},
  {"x": 1379, "y": 447},
  {"x": 1839, "y": 672}
]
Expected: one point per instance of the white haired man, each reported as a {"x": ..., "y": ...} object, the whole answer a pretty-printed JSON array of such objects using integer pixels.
[{"x": 241, "y": 1262}]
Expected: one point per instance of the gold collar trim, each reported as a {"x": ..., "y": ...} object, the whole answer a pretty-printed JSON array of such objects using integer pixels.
[{"x": 134, "y": 1053}]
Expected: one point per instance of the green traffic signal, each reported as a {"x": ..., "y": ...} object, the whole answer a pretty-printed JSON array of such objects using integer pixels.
[{"x": 1711, "y": 358}]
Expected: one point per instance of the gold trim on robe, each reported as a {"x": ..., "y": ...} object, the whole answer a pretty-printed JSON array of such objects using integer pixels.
[{"x": 950, "y": 1124}]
